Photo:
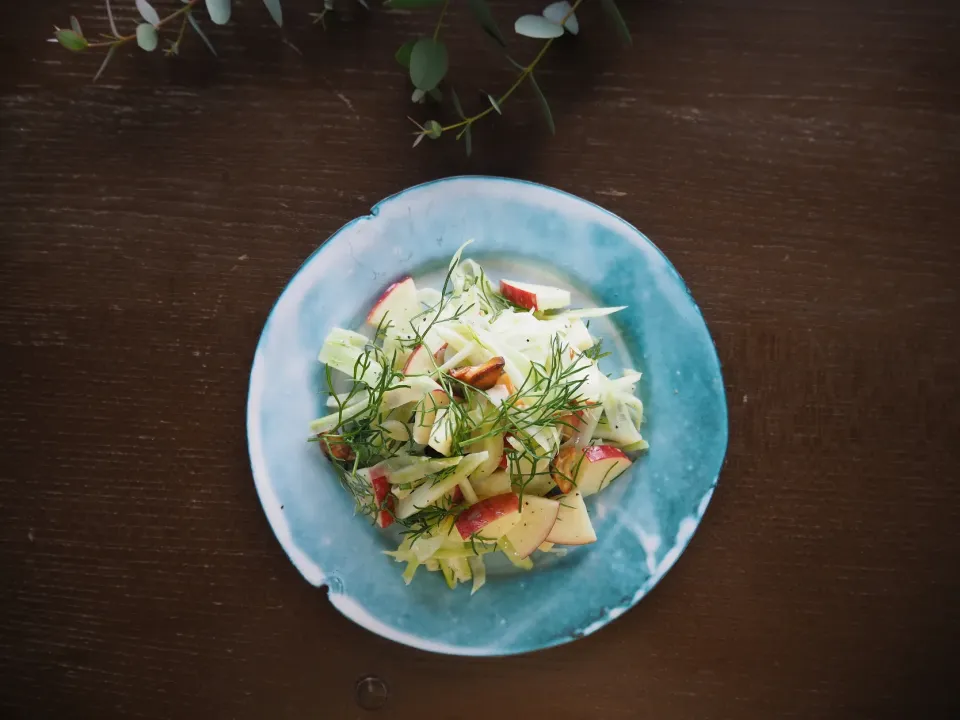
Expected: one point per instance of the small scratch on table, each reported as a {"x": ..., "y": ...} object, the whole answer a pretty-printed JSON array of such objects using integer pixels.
[
  {"x": 346, "y": 101},
  {"x": 610, "y": 192}
]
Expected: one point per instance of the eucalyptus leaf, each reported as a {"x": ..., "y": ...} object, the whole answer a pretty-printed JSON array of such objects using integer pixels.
[
  {"x": 613, "y": 12},
  {"x": 495, "y": 104},
  {"x": 219, "y": 11},
  {"x": 275, "y": 11},
  {"x": 556, "y": 12},
  {"x": 418, "y": 96},
  {"x": 412, "y": 4},
  {"x": 71, "y": 40},
  {"x": 435, "y": 95},
  {"x": 419, "y": 139},
  {"x": 75, "y": 24},
  {"x": 147, "y": 12},
  {"x": 203, "y": 36},
  {"x": 544, "y": 105},
  {"x": 433, "y": 129},
  {"x": 481, "y": 11},
  {"x": 106, "y": 60},
  {"x": 428, "y": 63},
  {"x": 403, "y": 54},
  {"x": 537, "y": 26},
  {"x": 147, "y": 37}
]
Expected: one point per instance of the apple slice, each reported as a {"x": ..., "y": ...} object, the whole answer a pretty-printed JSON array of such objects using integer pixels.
[
  {"x": 601, "y": 465},
  {"x": 440, "y": 355},
  {"x": 537, "y": 517},
  {"x": 494, "y": 447},
  {"x": 430, "y": 492},
  {"x": 534, "y": 297},
  {"x": 399, "y": 301},
  {"x": 381, "y": 489},
  {"x": 496, "y": 484},
  {"x": 419, "y": 362},
  {"x": 573, "y": 526},
  {"x": 426, "y": 414},
  {"x": 490, "y": 518}
]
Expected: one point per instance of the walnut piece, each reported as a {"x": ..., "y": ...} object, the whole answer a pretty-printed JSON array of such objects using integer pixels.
[
  {"x": 482, "y": 377},
  {"x": 564, "y": 467},
  {"x": 333, "y": 447}
]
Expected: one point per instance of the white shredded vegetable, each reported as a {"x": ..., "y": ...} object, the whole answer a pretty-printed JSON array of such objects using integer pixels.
[{"x": 504, "y": 400}]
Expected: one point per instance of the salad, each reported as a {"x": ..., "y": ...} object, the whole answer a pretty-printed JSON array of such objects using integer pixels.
[{"x": 476, "y": 419}]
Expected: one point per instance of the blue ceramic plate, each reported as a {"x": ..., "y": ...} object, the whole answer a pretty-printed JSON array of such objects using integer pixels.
[{"x": 644, "y": 520}]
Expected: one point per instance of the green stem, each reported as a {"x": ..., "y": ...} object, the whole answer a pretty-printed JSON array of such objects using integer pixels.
[
  {"x": 183, "y": 29},
  {"x": 443, "y": 11},
  {"x": 127, "y": 38},
  {"x": 518, "y": 82}
]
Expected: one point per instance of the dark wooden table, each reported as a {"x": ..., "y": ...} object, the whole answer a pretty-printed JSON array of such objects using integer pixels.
[{"x": 798, "y": 160}]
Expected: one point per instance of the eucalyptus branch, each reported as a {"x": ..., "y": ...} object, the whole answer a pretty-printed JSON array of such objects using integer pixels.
[
  {"x": 425, "y": 57},
  {"x": 427, "y": 61},
  {"x": 163, "y": 21},
  {"x": 525, "y": 72},
  {"x": 443, "y": 11},
  {"x": 146, "y": 33},
  {"x": 174, "y": 48}
]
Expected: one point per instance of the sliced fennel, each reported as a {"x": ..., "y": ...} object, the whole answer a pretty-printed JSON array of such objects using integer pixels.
[
  {"x": 446, "y": 461},
  {"x": 413, "y": 469},
  {"x": 430, "y": 492},
  {"x": 479, "y": 572},
  {"x": 343, "y": 351},
  {"x": 330, "y": 422}
]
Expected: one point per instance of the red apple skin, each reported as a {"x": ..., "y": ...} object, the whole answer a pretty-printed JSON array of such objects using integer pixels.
[
  {"x": 381, "y": 489},
  {"x": 518, "y": 296},
  {"x": 596, "y": 453},
  {"x": 410, "y": 360},
  {"x": 457, "y": 497},
  {"x": 438, "y": 355},
  {"x": 384, "y": 296},
  {"x": 478, "y": 516}
]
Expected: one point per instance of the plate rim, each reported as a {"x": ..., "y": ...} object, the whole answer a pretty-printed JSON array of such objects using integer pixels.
[{"x": 307, "y": 568}]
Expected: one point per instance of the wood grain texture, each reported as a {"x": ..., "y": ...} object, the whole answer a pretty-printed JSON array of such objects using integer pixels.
[{"x": 798, "y": 160}]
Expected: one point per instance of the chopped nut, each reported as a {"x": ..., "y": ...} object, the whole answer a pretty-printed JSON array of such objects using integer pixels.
[
  {"x": 505, "y": 380},
  {"x": 564, "y": 467},
  {"x": 482, "y": 377},
  {"x": 333, "y": 447}
]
